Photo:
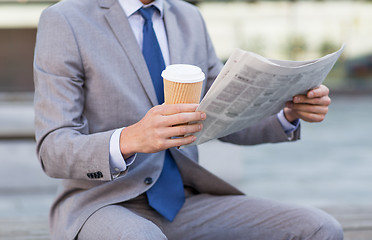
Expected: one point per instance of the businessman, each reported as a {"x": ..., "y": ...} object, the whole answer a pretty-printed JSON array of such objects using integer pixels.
[{"x": 102, "y": 128}]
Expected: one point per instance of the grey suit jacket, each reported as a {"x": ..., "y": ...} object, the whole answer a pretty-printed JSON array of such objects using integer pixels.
[{"x": 90, "y": 79}]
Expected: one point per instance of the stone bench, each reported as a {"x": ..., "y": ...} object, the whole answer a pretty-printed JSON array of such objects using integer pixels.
[
  {"x": 356, "y": 221},
  {"x": 24, "y": 228}
]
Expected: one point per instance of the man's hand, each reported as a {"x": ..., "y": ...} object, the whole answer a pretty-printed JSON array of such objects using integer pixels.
[
  {"x": 154, "y": 132},
  {"x": 311, "y": 107}
]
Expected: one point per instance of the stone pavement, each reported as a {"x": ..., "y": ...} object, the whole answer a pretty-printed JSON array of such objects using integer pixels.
[{"x": 356, "y": 222}]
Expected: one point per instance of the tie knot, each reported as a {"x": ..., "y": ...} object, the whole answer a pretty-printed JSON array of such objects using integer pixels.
[{"x": 147, "y": 12}]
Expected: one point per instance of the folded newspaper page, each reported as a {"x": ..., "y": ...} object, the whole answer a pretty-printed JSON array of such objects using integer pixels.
[{"x": 250, "y": 88}]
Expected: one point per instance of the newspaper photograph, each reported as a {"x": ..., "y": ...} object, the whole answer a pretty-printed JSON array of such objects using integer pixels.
[{"x": 250, "y": 88}]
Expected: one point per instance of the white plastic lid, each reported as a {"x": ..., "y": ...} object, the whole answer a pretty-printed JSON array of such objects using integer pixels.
[{"x": 183, "y": 73}]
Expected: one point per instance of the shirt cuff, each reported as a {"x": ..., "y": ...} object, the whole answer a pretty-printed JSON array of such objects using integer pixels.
[
  {"x": 288, "y": 127},
  {"x": 117, "y": 162}
]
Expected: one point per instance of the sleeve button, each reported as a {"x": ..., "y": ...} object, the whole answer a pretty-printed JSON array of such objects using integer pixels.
[{"x": 148, "y": 180}]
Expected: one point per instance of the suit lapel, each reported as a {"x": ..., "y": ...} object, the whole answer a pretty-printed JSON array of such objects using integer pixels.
[
  {"x": 116, "y": 18},
  {"x": 173, "y": 34}
]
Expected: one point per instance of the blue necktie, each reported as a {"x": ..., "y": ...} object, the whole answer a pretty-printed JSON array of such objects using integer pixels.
[{"x": 166, "y": 196}]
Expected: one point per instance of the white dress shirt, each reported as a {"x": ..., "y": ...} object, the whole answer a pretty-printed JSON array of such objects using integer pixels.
[
  {"x": 136, "y": 22},
  {"x": 117, "y": 162}
]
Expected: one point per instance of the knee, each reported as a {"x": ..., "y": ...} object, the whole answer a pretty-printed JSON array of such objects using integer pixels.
[
  {"x": 327, "y": 227},
  {"x": 145, "y": 230},
  {"x": 330, "y": 229}
]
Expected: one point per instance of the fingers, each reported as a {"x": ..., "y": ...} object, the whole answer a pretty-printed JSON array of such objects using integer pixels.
[
  {"x": 317, "y": 109},
  {"x": 324, "y": 100},
  {"x": 155, "y": 131},
  {"x": 318, "y": 92},
  {"x": 169, "y": 109},
  {"x": 311, "y": 107},
  {"x": 184, "y": 129},
  {"x": 311, "y": 117},
  {"x": 174, "y": 114},
  {"x": 163, "y": 138},
  {"x": 316, "y": 96},
  {"x": 177, "y": 130},
  {"x": 176, "y": 142},
  {"x": 185, "y": 117},
  {"x": 308, "y": 112}
]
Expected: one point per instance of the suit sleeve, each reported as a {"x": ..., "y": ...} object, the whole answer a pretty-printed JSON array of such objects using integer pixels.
[
  {"x": 267, "y": 131},
  {"x": 65, "y": 147}
]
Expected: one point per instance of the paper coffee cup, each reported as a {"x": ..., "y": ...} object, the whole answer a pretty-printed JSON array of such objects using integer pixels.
[{"x": 182, "y": 83}]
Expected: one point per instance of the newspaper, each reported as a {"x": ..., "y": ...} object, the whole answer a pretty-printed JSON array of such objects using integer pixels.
[{"x": 250, "y": 88}]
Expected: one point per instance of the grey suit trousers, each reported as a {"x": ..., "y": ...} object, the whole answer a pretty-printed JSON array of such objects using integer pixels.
[{"x": 206, "y": 216}]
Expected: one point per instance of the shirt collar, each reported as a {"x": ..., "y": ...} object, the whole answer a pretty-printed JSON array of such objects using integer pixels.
[{"x": 132, "y": 6}]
